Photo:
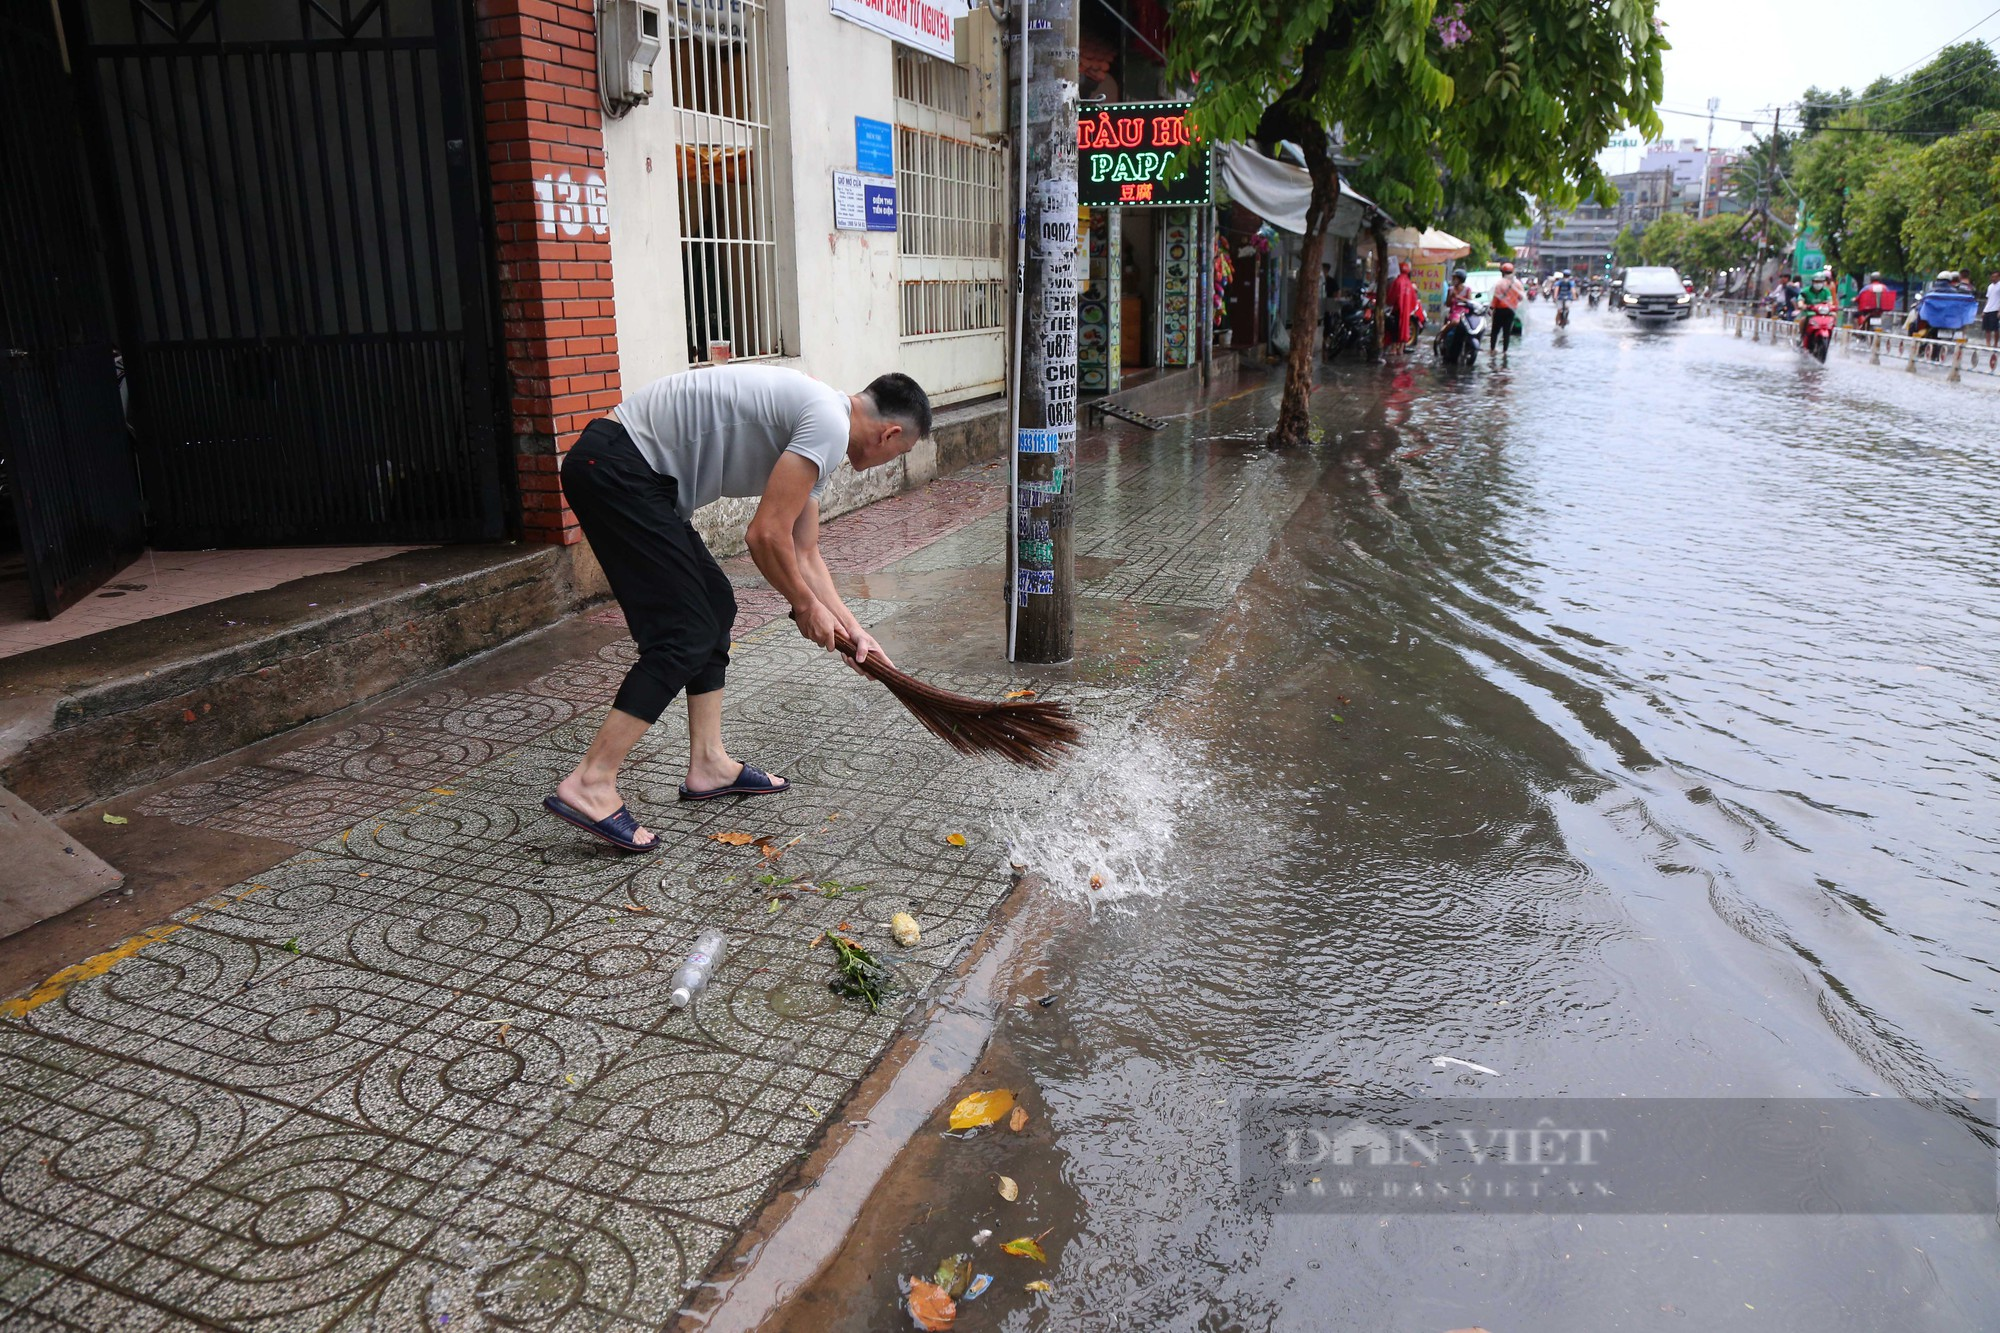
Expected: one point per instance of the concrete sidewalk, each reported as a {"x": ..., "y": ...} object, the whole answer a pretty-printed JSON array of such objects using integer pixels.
[{"x": 421, "y": 1071}]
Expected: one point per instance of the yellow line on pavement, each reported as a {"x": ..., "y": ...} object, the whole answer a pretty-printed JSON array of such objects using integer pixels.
[{"x": 58, "y": 985}]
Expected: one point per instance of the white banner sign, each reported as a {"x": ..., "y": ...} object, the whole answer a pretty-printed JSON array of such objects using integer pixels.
[{"x": 924, "y": 24}]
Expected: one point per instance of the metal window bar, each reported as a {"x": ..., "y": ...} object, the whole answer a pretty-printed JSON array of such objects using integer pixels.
[
  {"x": 950, "y": 201},
  {"x": 717, "y": 61}
]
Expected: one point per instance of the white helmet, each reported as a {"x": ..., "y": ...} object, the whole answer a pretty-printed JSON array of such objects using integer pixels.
[{"x": 1948, "y": 275}]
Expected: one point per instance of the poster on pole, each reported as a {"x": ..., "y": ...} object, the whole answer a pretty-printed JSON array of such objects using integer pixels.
[{"x": 926, "y": 25}]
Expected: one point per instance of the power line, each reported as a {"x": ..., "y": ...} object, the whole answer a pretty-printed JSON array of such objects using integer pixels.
[{"x": 1921, "y": 59}]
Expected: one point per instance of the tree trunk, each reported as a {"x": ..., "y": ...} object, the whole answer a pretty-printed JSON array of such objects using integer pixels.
[
  {"x": 1294, "y": 411},
  {"x": 1381, "y": 282}
]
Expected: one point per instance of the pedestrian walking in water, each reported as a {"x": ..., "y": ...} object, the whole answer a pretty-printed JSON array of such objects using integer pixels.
[
  {"x": 1506, "y": 303},
  {"x": 1989, "y": 317},
  {"x": 635, "y": 479}
]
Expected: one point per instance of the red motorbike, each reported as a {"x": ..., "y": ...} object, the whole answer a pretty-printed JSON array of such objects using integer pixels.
[{"x": 1816, "y": 331}]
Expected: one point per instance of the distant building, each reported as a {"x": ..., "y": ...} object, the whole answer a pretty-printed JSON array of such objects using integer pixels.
[{"x": 1582, "y": 238}]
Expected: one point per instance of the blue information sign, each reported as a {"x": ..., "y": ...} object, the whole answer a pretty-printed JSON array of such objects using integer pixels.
[
  {"x": 874, "y": 147},
  {"x": 881, "y": 208}
]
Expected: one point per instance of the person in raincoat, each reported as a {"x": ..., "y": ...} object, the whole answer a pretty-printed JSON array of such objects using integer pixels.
[{"x": 1406, "y": 307}]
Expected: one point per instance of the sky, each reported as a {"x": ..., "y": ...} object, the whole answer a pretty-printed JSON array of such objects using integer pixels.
[{"x": 1753, "y": 53}]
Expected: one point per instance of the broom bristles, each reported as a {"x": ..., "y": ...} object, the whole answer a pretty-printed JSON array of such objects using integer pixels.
[{"x": 1037, "y": 733}]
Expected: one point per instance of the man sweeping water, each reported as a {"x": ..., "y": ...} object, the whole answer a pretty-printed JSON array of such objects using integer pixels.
[{"x": 634, "y": 480}]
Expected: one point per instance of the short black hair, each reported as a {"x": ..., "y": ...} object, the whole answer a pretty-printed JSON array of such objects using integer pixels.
[{"x": 900, "y": 398}]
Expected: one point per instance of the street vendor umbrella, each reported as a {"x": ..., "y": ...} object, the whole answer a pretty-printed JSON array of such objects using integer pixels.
[{"x": 1430, "y": 245}]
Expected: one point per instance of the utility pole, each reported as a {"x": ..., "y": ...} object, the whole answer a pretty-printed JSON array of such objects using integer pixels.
[
  {"x": 1764, "y": 197},
  {"x": 1041, "y": 555},
  {"x": 1707, "y": 159}
]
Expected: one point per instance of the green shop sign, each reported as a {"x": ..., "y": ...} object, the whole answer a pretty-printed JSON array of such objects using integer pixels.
[{"x": 1130, "y": 156}]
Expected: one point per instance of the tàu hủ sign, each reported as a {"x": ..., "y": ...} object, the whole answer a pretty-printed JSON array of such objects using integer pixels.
[{"x": 1130, "y": 155}]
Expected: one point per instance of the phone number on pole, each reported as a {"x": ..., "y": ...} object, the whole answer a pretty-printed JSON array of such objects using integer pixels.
[{"x": 1044, "y": 441}]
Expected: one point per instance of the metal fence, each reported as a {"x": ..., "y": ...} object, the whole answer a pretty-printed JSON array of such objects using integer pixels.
[{"x": 1955, "y": 353}]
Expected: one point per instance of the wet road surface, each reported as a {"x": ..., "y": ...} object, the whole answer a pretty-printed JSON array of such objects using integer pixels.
[{"x": 1637, "y": 740}]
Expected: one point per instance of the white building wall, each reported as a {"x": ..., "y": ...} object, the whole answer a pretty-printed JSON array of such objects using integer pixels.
[
  {"x": 842, "y": 302},
  {"x": 845, "y": 327}
]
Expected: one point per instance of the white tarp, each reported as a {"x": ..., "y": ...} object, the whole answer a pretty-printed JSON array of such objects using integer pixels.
[{"x": 1279, "y": 192}]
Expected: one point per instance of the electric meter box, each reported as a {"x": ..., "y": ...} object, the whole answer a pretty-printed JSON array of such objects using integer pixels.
[{"x": 630, "y": 33}]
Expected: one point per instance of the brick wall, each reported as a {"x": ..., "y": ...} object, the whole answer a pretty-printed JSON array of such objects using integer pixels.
[{"x": 545, "y": 155}]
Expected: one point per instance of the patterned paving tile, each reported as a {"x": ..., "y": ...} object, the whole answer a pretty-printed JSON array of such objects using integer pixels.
[{"x": 426, "y": 1069}]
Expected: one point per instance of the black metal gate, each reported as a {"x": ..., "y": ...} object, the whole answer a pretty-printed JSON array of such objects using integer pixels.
[
  {"x": 65, "y": 460},
  {"x": 300, "y": 266}
]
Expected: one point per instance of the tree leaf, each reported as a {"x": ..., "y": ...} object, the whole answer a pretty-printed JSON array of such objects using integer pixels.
[
  {"x": 1008, "y": 1189},
  {"x": 931, "y": 1306},
  {"x": 954, "y": 1274},
  {"x": 981, "y": 1108},
  {"x": 732, "y": 839},
  {"x": 1037, "y": 1285},
  {"x": 116, "y": 819},
  {"x": 1019, "y": 1120},
  {"x": 955, "y": 839},
  {"x": 1026, "y": 1247}
]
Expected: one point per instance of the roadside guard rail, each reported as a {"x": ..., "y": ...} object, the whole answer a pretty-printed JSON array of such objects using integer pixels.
[{"x": 1953, "y": 351}]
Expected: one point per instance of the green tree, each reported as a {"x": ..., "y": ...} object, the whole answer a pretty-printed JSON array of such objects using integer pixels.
[
  {"x": 1760, "y": 172},
  {"x": 1830, "y": 172},
  {"x": 1625, "y": 250},
  {"x": 1954, "y": 214},
  {"x": 1875, "y": 217},
  {"x": 1958, "y": 85},
  {"x": 1665, "y": 240},
  {"x": 1518, "y": 94}
]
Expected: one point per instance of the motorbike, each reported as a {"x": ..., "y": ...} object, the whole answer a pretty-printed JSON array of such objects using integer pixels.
[
  {"x": 1458, "y": 344},
  {"x": 1353, "y": 328},
  {"x": 1562, "y": 314},
  {"x": 1816, "y": 331},
  {"x": 1596, "y": 294}
]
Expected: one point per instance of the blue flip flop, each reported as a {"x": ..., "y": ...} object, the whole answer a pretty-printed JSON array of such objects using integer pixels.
[
  {"x": 752, "y": 781},
  {"x": 617, "y": 828}
]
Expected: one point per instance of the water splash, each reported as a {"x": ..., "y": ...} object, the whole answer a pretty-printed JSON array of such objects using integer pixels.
[{"x": 1116, "y": 829}]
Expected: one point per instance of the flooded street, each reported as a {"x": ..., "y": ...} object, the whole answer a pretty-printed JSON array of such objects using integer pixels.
[{"x": 1639, "y": 740}]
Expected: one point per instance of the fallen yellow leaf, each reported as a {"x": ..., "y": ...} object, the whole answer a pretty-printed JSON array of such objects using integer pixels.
[
  {"x": 931, "y": 1305},
  {"x": 116, "y": 819},
  {"x": 955, "y": 839},
  {"x": 1038, "y": 1286},
  {"x": 981, "y": 1108},
  {"x": 1008, "y": 1189},
  {"x": 1019, "y": 1120},
  {"x": 732, "y": 839},
  {"x": 1026, "y": 1247}
]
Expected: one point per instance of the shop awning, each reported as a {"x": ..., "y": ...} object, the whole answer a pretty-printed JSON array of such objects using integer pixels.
[
  {"x": 1430, "y": 244},
  {"x": 1279, "y": 192}
]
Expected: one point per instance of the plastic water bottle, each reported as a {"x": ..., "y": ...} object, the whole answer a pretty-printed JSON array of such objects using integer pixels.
[{"x": 709, "y": 948}]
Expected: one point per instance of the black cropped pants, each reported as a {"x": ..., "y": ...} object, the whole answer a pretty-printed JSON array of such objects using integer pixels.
[{"x": 677, "y": 601}]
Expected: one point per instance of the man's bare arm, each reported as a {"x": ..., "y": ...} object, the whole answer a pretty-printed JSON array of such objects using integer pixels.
[
  {"x": 772, "y": 545},
  {"x": 805, "y": 545}
]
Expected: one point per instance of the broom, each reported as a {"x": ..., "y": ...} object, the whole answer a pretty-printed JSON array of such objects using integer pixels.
[{"x": 1036, "y": 733}]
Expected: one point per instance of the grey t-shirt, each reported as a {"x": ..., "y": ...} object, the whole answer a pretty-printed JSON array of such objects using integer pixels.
[{"x": 720, "y": 431}]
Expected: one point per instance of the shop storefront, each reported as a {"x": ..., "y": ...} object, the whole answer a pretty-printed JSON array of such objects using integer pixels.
[{"x": 1144, "y": 194}]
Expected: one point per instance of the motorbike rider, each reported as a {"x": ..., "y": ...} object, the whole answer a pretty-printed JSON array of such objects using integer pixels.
[
  {"x": 1820, "y": 292},
  {"x": 1506, "y": 301},
  {"x": 1565, "y": 293},
  {"x": 1873, "y": 302},
  {"x": 1457, "y": 300}
]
